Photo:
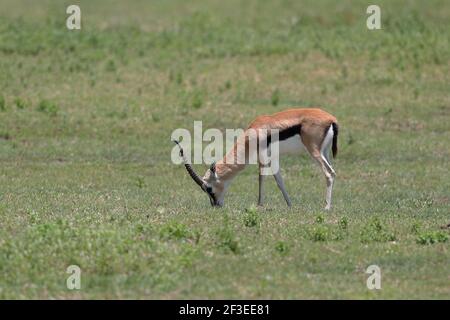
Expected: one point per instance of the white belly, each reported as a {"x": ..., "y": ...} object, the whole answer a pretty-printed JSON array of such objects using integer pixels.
[{"x": 293, "y": 145}]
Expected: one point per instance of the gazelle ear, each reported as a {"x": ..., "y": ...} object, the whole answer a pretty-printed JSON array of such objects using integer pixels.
[{"x": 213, "y": 167}]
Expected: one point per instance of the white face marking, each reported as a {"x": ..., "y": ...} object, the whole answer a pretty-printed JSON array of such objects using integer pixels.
[
  {"x": 218, "y": 187},
  {"x": 292, "y": 145}
]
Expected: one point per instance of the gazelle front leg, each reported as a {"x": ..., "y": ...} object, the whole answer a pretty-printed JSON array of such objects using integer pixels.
[
  {"x": 280, "y": 184},
  {"x": 261, "y": 188}
]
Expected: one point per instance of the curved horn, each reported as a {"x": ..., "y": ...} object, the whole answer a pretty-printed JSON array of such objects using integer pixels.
[{"x": 189, "y": 168}]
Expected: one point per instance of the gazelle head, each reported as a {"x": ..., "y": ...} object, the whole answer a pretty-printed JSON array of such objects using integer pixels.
[{"x": 211, "y": 184}]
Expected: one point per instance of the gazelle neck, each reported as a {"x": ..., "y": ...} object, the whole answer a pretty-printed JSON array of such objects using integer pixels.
[{"x": 231, "y": 164}]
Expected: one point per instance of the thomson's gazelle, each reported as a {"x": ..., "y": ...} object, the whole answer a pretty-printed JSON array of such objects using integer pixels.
[{"x": 313, "y": 130}]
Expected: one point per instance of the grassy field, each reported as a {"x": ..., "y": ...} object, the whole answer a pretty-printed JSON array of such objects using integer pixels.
[{"x": 86, "y": 176}]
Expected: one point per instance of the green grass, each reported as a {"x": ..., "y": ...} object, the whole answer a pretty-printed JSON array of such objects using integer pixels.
[{"x": 85, "y": 171}]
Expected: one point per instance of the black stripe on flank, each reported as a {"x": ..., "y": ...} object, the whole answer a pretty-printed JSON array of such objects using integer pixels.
[{"x": 286, "y": 133}]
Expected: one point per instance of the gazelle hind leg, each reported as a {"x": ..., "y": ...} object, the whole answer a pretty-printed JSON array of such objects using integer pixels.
[
  {"x": 318, "y": 147},
  {"x": 327, "y": 170},
  {"x": 325, "y": 154},
  {"x": 325, "y": 163},
  {"x": 329, "y": 176},
  {"x": 325, "y": 149}
]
